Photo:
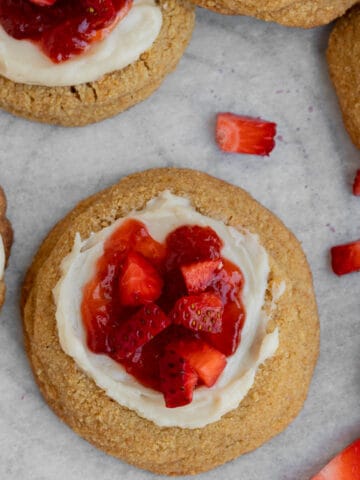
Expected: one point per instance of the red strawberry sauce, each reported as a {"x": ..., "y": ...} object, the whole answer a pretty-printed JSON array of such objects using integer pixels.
[
  {"x": 104, "y": 314},
  {"x": 63, "y": 28}
]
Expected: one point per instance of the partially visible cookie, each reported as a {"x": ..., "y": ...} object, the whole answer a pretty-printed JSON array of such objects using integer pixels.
[
  {"x": 6, "y": 235},
  {"x": 281, "y": 384},
  {"x": 343, "y": 56},
  {"x": 304, "y": 14},
  {"x": 115, "y": 92}
]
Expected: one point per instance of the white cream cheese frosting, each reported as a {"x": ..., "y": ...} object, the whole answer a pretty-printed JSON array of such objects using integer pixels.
[
  {"x": 22, "y": 61},
  {"x": 2, "y": 258},
  {"x": 162, "y": 215}
]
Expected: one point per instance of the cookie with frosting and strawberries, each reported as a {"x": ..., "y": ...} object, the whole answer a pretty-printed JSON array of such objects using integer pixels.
[
  {"x": 343, "y": 56},
  {"x": 6, "y": 239},
  {"x": 170, "y": 320},
  {"x": 76, "y": 63}
]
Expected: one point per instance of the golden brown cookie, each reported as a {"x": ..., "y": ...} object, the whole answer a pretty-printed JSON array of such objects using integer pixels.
[
  {"x": 281, "y": 384},
  {"x": 91, "y": 102},
  {"x": 6, "y": 234},
  {"x": 304, "y": 13},
  {"x": 343, "y": 57}
]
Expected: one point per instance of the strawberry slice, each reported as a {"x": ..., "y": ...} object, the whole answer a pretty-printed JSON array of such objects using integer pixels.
[
  {"x": 346, "y": 258},
  {"x": 139, "y": 282},
  {"x": 240, "y": 134},
  {"x": 345, "y": 466},
  {"x": 356, "y": 185},
  {"x": 199, "y": 275},
  {"x": 201, "y": 312},
  {"x": 177, "y": 379},
  {"x": 207, "y": 362},
  {"x": 137, "y": 330}
]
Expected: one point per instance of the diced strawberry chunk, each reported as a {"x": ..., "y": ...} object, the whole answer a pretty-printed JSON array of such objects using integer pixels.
[
  {"x": 201, "y": 312},
  {"x": 356, "y": 185},
  {"x": 240, "y": 134},
  {"x": 229, "y": 338},
  {"x": 191, "y": 243},
  {"x": 345, "y": 466},
  {"x": 43, "y": 3},
  {"x": 139, "y": 282},
  {"x": 177, "y": 379},
  {"x": 346, "y": 258},
  {"x": 137, "y": 330},
  {"x": 207, "y": 362},
  {"x": 199, "y": 275}
]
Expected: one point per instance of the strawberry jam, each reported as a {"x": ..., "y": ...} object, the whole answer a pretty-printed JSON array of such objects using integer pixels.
[
  {"x": 169, "y": 313},
  {"x": 61, "y": 28}
]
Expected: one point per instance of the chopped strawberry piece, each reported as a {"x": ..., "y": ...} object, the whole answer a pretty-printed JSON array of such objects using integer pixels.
[
  {"x": 177, "y": 379},
  {"x": 207, "y": 362},
  {"x": 239, "y": 134},
  {"x": 356, "y": 185},
  {"x": 191, "y": 243},
  {"x": 201, "y": 312},
  {"x": 139, "y": 282},
  {"x": 229, "y": 338},
  {"x": 199, "y": 275},
  {"x": 346, "y": 258},
  {"x": 345, "y": 466},
  {"x": 137, "y": 330},
  {"x": 43, "y": 3}
]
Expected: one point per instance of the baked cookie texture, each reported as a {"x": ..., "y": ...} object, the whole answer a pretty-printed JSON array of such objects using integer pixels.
[
  {"x": 293, "y": 13},
  {"x": 281, "y": 384},
  {"x": 115, "y": 92},
  {"x": 343, "y": 56},
  {"x": 6, "y": 233}
]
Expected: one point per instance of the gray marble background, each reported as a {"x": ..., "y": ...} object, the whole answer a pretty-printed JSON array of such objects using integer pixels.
[{"x": 233, "y": 64}]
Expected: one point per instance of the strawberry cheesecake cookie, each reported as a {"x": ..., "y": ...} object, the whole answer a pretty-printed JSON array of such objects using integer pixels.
[
  {"x": 6, "y": 238},
  {"x": 74, "y": 64},
  {"x": 343, "y": 57},
  {"x": 171, "y": 321},
  {"x": 292, "y": 13}
]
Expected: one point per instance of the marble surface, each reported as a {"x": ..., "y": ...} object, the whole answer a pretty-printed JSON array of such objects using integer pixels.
[{"x": 233, "y": 64}]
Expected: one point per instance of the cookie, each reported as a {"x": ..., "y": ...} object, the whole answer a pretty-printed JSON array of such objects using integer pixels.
[
  {"x": 343, "y": 56},
  {"x": 115, "y": 92},
  {"x": 6, "y": 235},
  {"x": 304, "y": 14},
  {"x": 280, "y": 386}
]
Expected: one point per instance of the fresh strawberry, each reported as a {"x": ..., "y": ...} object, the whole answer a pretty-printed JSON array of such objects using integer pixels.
[
  {"x": 207, "y": 362},
  {"x": 139, "y": 282},
  {"x": 345, "y": 466},
  {"x": 346, "y": 258},
  {"x": 199, "y": 275},
  {"x": 201, "y": 312},
  {"x": 43, "y": 3},
  {"x": 137, "y": 330},
  {"x": 191, "y": 243},
  {"x": 177, "y": 379},
  {"x": 356, "y": 185},
  {"x": 239, "y": 134},
  {"x": 229, "y": 338}
]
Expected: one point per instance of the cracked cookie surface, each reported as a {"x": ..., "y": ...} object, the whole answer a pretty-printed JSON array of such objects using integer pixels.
[
  {"x": 6, "y": 233},
  {"x": 115, "y": 92},
  {"x": 281, "y": 384}
]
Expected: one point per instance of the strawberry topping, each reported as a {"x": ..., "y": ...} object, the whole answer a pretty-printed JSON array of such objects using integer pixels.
[
  {"x": 169, "y": 313},
  {"x": 346, "y": 258},
  {"x": 239, "y": 134},
  {"x": 345, "y": 466},
  {"x": 201, "y": 312},
  {"x": 356, "y": 185}
]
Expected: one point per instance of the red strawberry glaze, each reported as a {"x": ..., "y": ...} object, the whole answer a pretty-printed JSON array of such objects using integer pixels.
[
  {"x": 62, "y": 28},
  {"x": 103, "y": 313}
]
